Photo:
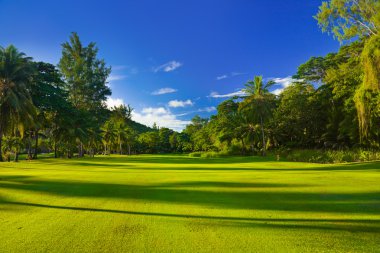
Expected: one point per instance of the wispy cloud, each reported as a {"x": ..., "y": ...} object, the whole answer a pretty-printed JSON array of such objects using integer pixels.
[
  {"x": 111, "y": 102},
  {"x": 161, "y": 116},
  {"x": 113, "y": 78},
  {"x": 208, "y": 109},
  {"x": 179, "y": 103},
  {"x": 125, "y": 68},
  {"x": 221, "y": 77},
  {"x": 119, "y": 67},
  {"x": 232, "y": 74},
  {"x": 238, "y": 73},
  {"x": 205, "y": 109},
  {"x": 168, "y": 67},
  {"x": 228, "y": 95},
  {"x": 163, "y": 91}
]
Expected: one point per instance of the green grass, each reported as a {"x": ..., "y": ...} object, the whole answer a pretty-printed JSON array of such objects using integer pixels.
[{"x": 182, "y": 204}]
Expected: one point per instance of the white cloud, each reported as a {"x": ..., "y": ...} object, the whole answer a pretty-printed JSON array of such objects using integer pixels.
[
  {"x": 116, "y": 77},
  {"x": 221, "y": 77},
  {"x": 111, "y": 102},
  {"x": 163, "y": 91},
  {"x": 161, "y": 116},
  {"x": 283, "y": 83},
  {"x": 180, "y": 103},
  {"x": 228, "y": 95},
  {"x": 168, "y": 67},
  {"x": 277, "y": 91},
  {"x": 154, "y": 110},
  {"x": 208, "y": 109}
]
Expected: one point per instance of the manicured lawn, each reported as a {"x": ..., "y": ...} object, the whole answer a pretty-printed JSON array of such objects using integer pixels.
[{"x": 175, "y": 203}]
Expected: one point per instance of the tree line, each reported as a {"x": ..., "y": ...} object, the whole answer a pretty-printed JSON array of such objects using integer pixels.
[{"x": 334, "y": 102}]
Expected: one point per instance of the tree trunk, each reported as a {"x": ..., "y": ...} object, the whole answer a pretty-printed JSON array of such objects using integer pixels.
[
  {"x": 129, "y": 149},
  {"x": 16, "y": 156},
  {"x": 121, "y": 149},
  {"x": 262, "y": 134},
  {"x": 1, "y": 142},
  {"x": 30, "y": 145},
  {"x": 242, "y": 146},
  {"x": 36, "y": 145},
  {"x": 80, "y": 149},
  {"x": 55, "y": 149}
]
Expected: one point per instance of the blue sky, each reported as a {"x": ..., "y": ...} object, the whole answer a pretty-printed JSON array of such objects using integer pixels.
[{"x": 174, "y": 59}]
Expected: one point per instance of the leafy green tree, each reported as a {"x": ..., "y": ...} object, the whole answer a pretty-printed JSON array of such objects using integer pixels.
[
  {"x": 16, "y": 72},
  {"x": 48, "y": 97},
  {"x": 150, "y": 140},
  {"x": 164, "y": 139},
  {"x": 346, "y": 19},
  {"x": 85, "y": 74},
  {"x": 299, "y": 119},
  {"x": 85, "y": 77}
]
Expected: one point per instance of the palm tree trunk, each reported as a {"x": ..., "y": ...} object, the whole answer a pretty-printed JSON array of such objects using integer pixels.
[
  {"x": 129, "y": 149},
  {"x": 121, "y": 150},
  {"x": 80, "y": 149},
  {"x": 36, "y": 145},
  {"x": 1, "y": 139},
  {"x": 262, "y": 134},
  {"x": 16, "y": 156},
  {"x": 242, "y": 146},
  {"x": 30, "y": 145},
  {"x": 55, "y": 149}
]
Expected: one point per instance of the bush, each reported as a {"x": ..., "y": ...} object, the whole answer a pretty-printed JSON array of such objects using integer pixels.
[
  {"x": 195, "y": 154},
  {"x": 211, "y": 154},
  {"x": 333, "y": 156}
]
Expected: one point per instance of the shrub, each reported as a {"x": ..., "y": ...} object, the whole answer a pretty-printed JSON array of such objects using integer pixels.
[
  {"x": 195, "y": 154},
  {"x": 333, "y": 156},
  {"x": 211, "y": 154}
]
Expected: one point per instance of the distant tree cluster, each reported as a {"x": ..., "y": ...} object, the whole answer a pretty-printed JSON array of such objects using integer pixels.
[{"x": 334, "y": 104}]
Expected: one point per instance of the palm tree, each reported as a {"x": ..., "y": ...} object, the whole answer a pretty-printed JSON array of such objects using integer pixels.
[
  {"x": 16, "y": 72},
  {"x": 109, "y": 135},
  {"x": 258, "y": 104}
]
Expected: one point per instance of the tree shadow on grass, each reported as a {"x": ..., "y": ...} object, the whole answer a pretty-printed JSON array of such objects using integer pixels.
[
  {"x": 352, "y": 225},
  {"x": 199, "y": 167},
  {"x": 249, "y": 196},
  {"x": 162, "y": 159}
]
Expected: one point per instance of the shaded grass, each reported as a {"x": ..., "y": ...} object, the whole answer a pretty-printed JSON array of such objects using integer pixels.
[{"x": 177, "y": 203}]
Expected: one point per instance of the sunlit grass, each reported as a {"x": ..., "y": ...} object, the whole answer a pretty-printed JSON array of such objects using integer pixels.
[{"x": 182, "y": 204}]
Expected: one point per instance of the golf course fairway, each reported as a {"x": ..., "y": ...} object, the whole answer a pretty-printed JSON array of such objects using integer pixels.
[{"x": 176, "y": 203}]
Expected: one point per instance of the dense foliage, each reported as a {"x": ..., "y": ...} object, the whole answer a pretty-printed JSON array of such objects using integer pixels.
[{"x": 334, "y": 104}]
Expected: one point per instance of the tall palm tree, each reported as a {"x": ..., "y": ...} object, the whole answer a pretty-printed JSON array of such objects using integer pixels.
[
  {"x": 16, "y": 72},
  {"x": 109, "y": 135},
  {"x": 258, "y": 104}
]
